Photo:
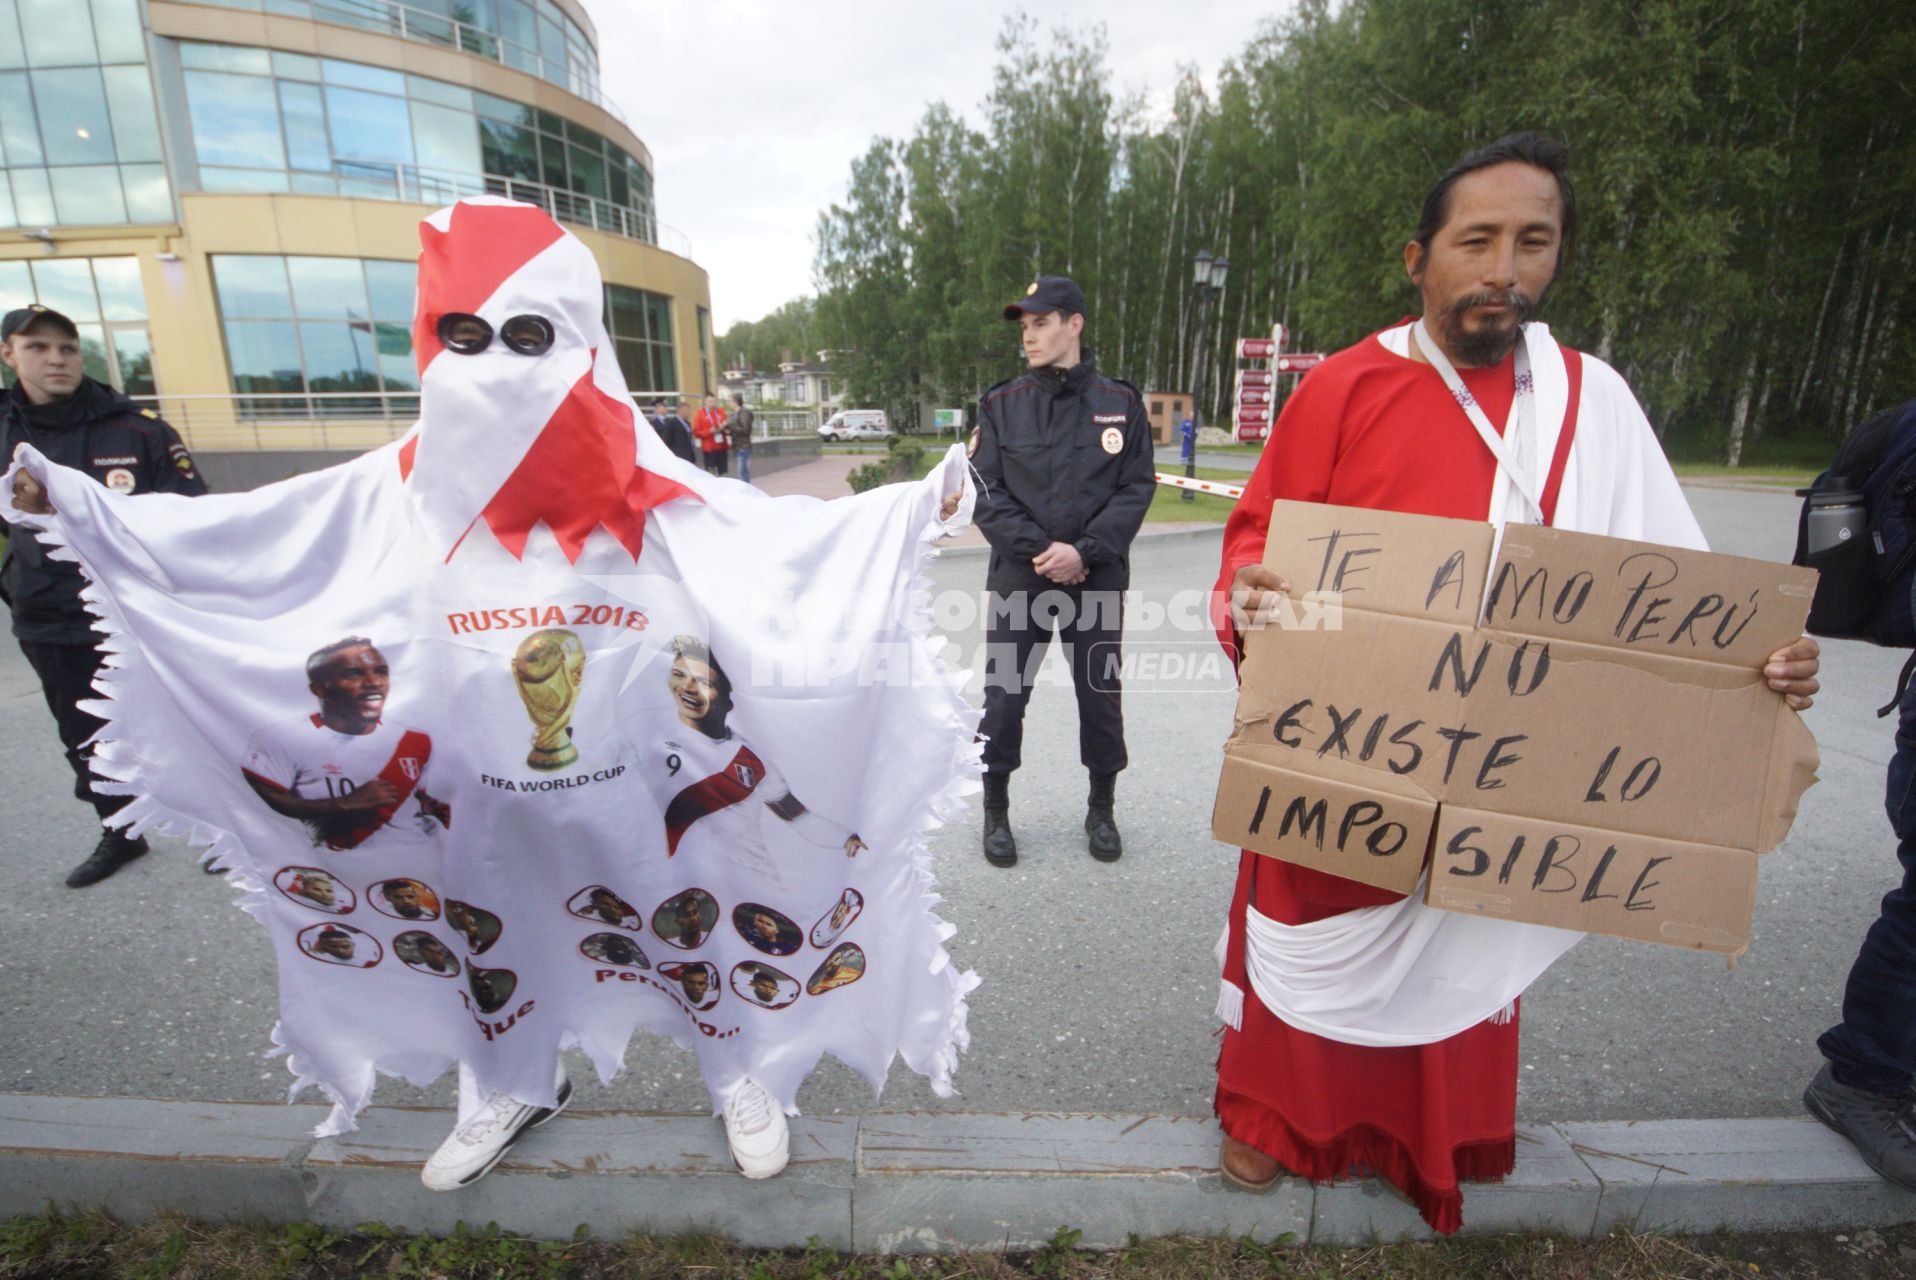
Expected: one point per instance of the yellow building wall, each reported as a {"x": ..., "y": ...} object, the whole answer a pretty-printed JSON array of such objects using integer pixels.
[{"x": 189, "y": 345}]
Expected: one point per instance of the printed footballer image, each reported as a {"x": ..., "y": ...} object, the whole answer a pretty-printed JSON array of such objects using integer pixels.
[
  {"x": 764, "y": 986},
  {"x": 614, "y": 948},
  {"x": 838, "y": 919},
  {"x": 766, "y": 930},
  {"x": 491, "y": 988},
  {"x": 844, "y": 966},
  {"x": 350, "y": 777},
  {"x": 698, "y": 982},
  {"x": 602, "y": 906},
  {"x": 708, "y": 779},
  {"x": 417, "y": 949},
  {"x": 312, "y": 887},
  {"x": 340, "y": 944},
  {"x": 686, "y": 919},
  {"x": 480, "y": 927},
  {"x": 403, "y": 899}
]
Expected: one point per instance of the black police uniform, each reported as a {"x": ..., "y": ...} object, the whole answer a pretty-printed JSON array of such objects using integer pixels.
[
  {"x": 99, "y": 431},
  {"x": 1062, "y": 456}
]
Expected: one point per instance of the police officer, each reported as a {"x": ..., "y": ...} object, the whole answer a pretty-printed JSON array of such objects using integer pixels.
[
  {"x": 89, "y": 426},
  {"x": 1064, "y": 458}
]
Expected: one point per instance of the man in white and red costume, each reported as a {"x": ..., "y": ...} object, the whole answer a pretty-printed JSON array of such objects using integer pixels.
[
  {"x": 1366, "y": 1031},
  {"x": 523, "y": 558}
]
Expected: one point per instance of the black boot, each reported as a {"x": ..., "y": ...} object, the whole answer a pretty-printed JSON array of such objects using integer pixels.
[
  {"x": 1001, "y": 847},
  {"x": 1099, "y": 822},
  {"x": 113, "y": 852}
]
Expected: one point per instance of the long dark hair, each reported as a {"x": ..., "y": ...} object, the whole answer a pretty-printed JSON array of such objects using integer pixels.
[{"x": 1513, "y": 148}]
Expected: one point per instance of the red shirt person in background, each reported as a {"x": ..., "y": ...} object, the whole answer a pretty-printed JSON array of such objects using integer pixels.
[
  {"x": 1379, "y": 425},
  {"x": 708, "y": 427}
]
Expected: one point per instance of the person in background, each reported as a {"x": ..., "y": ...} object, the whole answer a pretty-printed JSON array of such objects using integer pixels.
[
  {"x": 87, "y": 425},
  {"x": 675, "y": 431},
  {"x": 708, "y": 425},
  {"x": 741, "y": 433}
]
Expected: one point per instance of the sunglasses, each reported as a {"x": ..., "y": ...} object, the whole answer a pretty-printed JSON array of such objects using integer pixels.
[{"x": 468, "y": 335}]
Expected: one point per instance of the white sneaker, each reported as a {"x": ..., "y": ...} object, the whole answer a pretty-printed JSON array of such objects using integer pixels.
[
  {"x": 755, "y": 1128},
  {"x": 470, "y": 1151}
]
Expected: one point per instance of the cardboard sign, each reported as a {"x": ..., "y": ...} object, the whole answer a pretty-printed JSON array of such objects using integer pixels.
[{"x": 1599, "y": 752}]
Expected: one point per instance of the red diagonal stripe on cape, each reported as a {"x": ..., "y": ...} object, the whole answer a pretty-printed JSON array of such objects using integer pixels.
[
  {"x": 580, "y": 473},
  {"x": 462, "y": 267},
  {"x": 411, "y": 743},
  {"x": 709, "y": 795}
]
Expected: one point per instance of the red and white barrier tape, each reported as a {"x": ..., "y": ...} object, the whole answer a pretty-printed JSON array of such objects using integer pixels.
[{"x": 1231, "y": 491}]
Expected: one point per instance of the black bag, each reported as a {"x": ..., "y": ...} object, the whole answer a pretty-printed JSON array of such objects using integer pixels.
[{"x": 1857, "y": 529}]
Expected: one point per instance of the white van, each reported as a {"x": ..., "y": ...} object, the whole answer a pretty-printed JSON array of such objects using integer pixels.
[{"x": 856, "y": 424}]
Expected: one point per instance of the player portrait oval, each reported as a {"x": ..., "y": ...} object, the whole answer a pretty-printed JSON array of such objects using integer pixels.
[
  {"x": 602, "y": 906},
  {"x": 614, "y": 948},
  {"x": 758, "y": 983},
  {"x": 339, "y": 944},
  {"x": 695, "y": 982},
  {"x": 838, "y": 919},
  {"x": 479, "y": 927},
  {"x": 316, "y": 888},
  {"x": 686, "y": 919},
  {"x": 426, "y": 953},
  {"x": 403, "y": 898},
  {"x": 491, "y": 988},
  {"x": 844, "y": 966},
  {"x": 764, "y": 929}
]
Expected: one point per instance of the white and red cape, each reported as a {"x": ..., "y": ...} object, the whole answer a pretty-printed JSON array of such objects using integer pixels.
[{"x": 523, "y": 561}]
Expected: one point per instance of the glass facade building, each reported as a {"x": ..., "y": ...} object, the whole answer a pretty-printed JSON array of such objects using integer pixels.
[
  {"x": 271, "y": 121},
  {"x": 217, "y": 202},
  {"x": 534, "y": 36},
  {"x": 79, "y": 129}
]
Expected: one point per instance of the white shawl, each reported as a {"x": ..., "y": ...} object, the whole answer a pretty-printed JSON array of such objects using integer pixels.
[{"x": 1405, "y": 973}]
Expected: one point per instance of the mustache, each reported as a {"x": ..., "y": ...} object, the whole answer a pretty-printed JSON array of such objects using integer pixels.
[{"x": 1515, "y": 299}]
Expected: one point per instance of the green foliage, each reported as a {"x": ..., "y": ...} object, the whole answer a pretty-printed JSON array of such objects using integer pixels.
[
  {"x": 789, "y": 333},
  {"x": 904, "y": 460},
  {"x": 1746, "y": 175},
  {"x": 1055, "y": 1258}
]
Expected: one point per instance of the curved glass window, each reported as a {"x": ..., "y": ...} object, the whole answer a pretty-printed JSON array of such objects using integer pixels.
[
  {"x": 534, "y": 36},
  {"x": 307, "y": 335},
  {"x": 106, "y": 303},
  {"x": 640, "y": 323},
  {"x": 288, "y": 122},
  {"x": 79, "y": 132}
]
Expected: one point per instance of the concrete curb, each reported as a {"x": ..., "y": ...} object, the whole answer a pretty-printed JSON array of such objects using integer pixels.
[{"x": 903, "y": 1182}]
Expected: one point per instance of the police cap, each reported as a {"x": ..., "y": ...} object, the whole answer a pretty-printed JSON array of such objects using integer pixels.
[
  {"x": 22, "y": 317},
  {"x": 1048, "y": 293}
]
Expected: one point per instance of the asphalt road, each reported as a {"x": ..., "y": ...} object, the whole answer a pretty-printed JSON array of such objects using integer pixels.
[{"x": 1098, "y": 979}]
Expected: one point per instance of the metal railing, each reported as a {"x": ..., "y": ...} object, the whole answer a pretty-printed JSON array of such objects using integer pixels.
[
  {"x": 269, "y": 420},
  {"x": 381, "y": 180},
  {"x": 390, "y": 17}
]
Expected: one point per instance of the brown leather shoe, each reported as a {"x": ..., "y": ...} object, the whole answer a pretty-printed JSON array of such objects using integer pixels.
[{"x": 1247, "y": 1168}]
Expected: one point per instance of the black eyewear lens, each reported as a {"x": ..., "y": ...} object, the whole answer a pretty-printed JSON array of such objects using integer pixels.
[{"x": 468, "y": 335}]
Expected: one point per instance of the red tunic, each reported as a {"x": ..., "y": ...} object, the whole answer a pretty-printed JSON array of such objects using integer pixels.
[{"x": 1367, "y": 428}]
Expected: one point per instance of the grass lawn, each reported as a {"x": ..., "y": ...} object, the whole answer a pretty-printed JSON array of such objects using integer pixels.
[
  {"x": 1168, "y": 505},
  {"x": 94, "y": 1246}
]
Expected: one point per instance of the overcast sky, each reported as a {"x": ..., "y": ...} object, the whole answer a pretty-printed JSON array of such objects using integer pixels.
[{"x": 754, "y": 111}]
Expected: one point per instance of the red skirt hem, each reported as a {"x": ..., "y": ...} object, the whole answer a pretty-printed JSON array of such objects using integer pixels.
[{"x": 1363, "y": 1147}]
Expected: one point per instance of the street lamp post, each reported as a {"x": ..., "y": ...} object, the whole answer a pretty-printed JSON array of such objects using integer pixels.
[{"x": 1207, "y": 277}]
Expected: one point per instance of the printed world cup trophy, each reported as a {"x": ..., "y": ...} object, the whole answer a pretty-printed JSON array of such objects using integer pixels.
[{"x": 547, "y": 669}]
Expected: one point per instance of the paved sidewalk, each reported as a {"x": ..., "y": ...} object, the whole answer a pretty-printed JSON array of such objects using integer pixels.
[{"x": 902, "y": 1182}]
